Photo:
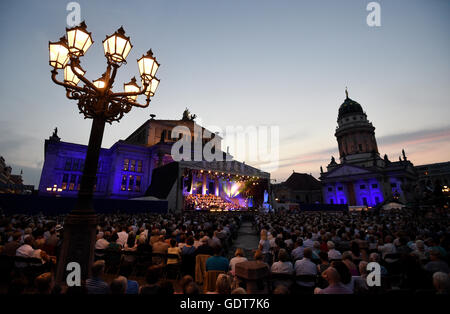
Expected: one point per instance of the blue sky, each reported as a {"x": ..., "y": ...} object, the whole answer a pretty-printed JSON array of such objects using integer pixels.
[{"x": 241, "y": 62}]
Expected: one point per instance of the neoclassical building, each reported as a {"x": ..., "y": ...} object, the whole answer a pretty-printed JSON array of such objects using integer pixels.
[
  {"x": 142, "y": 165},
  {"x": 362, "y": 177}
]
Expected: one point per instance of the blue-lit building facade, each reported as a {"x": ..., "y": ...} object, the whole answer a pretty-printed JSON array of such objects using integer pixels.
[
  {"x": 362, "y": 177},
  {"x": 124, "y": 170},
  {"x": 141, "y": 166}
]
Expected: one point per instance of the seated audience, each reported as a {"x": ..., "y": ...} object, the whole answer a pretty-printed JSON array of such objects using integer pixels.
[{"x": 96, "y": 284}]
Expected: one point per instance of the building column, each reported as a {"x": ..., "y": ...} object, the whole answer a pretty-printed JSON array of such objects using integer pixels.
[
  {"x": 194, "y": 176},
  {"x": 204, "y": 184},
  {"x": 216, "y": 187}
]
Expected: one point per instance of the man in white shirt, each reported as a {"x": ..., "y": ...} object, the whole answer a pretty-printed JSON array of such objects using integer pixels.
[
  {"x": 101, "y": 243},
  {"x": 305, "y": 267},
  {"x": 123, "y": 236},
  {"x": 332, "y": 252},
  {"x": 26, "y": 250}
]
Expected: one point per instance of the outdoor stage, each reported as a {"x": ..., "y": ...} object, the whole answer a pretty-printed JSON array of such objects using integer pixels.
[
  {"x": 220, "y": 191},
  {"x": 211, "y": 186}
]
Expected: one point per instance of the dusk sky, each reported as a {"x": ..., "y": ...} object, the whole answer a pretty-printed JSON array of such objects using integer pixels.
[{"x": 240, "y": 63}]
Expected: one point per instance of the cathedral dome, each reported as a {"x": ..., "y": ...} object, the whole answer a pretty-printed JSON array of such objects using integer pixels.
[{"x": 349, "y": 106}]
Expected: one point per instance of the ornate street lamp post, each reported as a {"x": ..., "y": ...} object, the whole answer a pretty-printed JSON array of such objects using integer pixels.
[{"x": 97, "y": 101}]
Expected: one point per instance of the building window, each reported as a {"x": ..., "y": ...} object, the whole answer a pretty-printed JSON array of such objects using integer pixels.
[
  {"x": 81, "y": 165},
  {"x": 393, "y": 185},
  {"x": 68, "y": 165},
  {"x": 123, "y": 186},
  {"x": 99, "y": 166},
  {"x": 64, "y": 181},
  {"x": 340, "y": 188},
  {"x": 125, "y": 164},
  {"x": 331, "y": 201},
  {"x": 137, "y": 187},
  {"x": 364, "y": 201},
  {"x": 73, "y": 180},
  {"x": 374, "y": 186},
  {"x": 360, "y": 147},
  {"x": 362, "y": 186},
  {"x": 330, "y": 189},
  {"x": 130, "y": 183},
  {"x": 75, "y": 164},
  {"x": 132, "y": 165},
  {"x": 139, "y": 166},
  {"x": 377, "y": 200}
]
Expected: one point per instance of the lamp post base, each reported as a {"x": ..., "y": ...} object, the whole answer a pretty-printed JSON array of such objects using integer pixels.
[{"x": 78, "y": 245}]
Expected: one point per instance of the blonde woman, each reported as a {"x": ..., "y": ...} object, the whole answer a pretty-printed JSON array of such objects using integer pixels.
[
  {"x": 238, "y": 258},
  {"x": 264, "y": 247},
  {"x": 223, "y": 285}
]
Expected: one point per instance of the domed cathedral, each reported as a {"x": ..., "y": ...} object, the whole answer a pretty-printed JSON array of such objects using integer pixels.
[
  {"x": 356, "y": 135},
  {"x": 362, "y": 177}
]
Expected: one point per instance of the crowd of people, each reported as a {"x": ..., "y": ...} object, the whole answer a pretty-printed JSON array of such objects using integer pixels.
[
  {"x": 209, "y": 202},
  {"x": 410, "y": 245},
  {"x": 303, "y": 252}
]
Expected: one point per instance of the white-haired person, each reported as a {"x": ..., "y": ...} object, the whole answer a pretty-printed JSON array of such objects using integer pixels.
[
  {"x": 441, "y": 282},
  {"x": 333, "y": 254}
]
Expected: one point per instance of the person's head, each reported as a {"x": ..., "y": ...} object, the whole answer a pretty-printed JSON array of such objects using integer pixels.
[
  {"x": 223, "y": 284},
  {"x": 118, "y": 285},
  {"x": 258, "y": 256},
  {"x": 347, "y": 255},
  {"x": 283, "y": 255},
  {"x": 299, "y": 242},
  {"x": 374, "y": 257},
  {"x": 435, "y": 254},
  {"x": 388, "y": 239},
  {"x": 363, "y": 268},
  {"x": 323, "y": 257},
  {"x": 191, "y": 289},
  {"x": 153, "y": 274},
  {"x": 281, "y": 289},
  {"x": 217, "y": 249},
  {"x": 173, "y": 243},
  {"x": 239, "y": 290},
  {"x": 28, "y": 240},
  {"x": 114, "y": 237},
  {"x": 264, "y": 234},
  {"x": 420, "y": 245},
  {"x": 441, "y": 281},
  {"x": 131, "y": 239},
  {"x": 44, "y": 283},
  {"x": 343, "y": 271},
  {"x": 204, "y": 240},
  {"x": 190, "y": 241},
  {"x": 307, "y": 253},
  {"x": 239, "y": 252},
  {"x": 316, "y": 245},
  {"x": 331, "y": 275},
  {"x": 330, "y": 245},
  {"x": 185, "y": 281},
  {"x": 98, "y": 268}
]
